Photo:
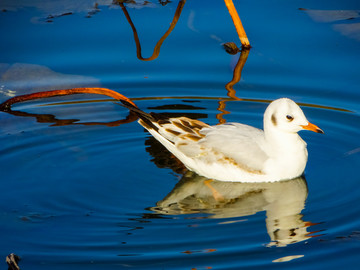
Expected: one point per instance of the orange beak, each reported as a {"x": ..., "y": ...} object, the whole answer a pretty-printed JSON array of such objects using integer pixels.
[{"x": 313, "y": 127}]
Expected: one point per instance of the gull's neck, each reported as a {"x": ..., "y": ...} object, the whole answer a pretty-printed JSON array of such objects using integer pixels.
[
  {"x": 280, "y": 141},
  {"x": 287, "y": 153}
]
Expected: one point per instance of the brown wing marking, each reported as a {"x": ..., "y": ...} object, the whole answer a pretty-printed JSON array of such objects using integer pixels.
[
  {"x": 182, "y": 127},
  {"x": 193, "y": 137},
  {"x": 239, "y": 165},
  {"x": 174, "y": 132},
  {"x": 193, "y": 124}
]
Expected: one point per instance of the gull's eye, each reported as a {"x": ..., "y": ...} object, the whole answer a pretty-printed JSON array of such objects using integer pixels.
[{"x": 289, "y": 117}]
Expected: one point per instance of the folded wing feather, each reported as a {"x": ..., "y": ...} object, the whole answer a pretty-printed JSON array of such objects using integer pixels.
[{"x": 198, "y": 140}]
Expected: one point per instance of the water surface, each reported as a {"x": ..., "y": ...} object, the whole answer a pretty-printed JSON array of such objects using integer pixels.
[{"x": 83, "y": 189}]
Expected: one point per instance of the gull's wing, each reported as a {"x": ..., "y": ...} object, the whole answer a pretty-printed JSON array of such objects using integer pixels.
[
  {"x": 232, "y": 143},
  {"x": 242, "y": 143},
  {"x": 199, "y": 145}
]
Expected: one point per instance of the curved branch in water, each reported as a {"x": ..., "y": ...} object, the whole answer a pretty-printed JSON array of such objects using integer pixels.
[
  {"x": 6, "y": 106},
  {"x": 49, "y": 118}
]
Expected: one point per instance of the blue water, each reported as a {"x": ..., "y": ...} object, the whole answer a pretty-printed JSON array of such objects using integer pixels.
[{"x": 81, "y": 196}]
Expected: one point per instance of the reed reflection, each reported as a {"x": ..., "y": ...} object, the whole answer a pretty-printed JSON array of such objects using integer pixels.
[
  {"x": 54, "y": 121},
  {"x": 229, "y": 5},
  {"x": 157, "y": 47},
  {"x": 231, "y": 48}
]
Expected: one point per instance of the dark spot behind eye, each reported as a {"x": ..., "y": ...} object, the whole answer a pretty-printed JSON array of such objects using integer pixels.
[
  {"x": 273, "y": 120},
  {"x": 289, "y": 117}
]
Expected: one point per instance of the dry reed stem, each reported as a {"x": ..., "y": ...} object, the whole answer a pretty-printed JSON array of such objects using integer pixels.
[
  {"x": 237, "y": 22},
  {"x": 6, "y": 106}
]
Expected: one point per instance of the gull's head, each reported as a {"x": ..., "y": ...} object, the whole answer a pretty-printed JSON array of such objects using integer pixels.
[{"x": 285, "y": 115}]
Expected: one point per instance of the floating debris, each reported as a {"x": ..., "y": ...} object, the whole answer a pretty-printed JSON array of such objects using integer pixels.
[
  {"x": 12, "y": 260},
  {"x": 231, "y": 48}
]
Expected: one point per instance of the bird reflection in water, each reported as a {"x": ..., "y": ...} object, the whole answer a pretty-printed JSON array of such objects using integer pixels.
[{"x": 282, "y": 201}]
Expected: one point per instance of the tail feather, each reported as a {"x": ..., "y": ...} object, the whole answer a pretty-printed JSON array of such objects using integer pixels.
[
  {"x": 136, "y": 110},
  {"x": 171, "y": 129},
  {"x": 179, "y": 135},
  {"x": 147, "y": 119}
]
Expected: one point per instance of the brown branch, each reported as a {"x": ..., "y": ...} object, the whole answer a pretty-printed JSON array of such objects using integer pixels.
[
  {"x": 6, "y": 106},
  {"x": 49, "y": 118}
]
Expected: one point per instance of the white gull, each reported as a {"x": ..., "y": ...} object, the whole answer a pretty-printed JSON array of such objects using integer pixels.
[{"x": 233, "y": 151}]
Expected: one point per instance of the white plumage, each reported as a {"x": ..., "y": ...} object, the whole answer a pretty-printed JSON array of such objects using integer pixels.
[{"x": 237, "y": 152}]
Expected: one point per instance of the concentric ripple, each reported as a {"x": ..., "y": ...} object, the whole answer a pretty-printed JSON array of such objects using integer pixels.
[{"x": 100, "y": 186}]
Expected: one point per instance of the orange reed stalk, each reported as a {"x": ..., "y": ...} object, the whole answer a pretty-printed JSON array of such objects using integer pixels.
[
  {"x": 6, "y": 106},
  {"x": 238, "y": 25}
]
